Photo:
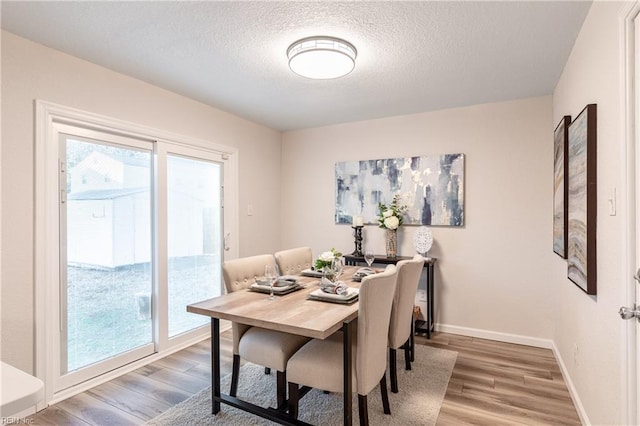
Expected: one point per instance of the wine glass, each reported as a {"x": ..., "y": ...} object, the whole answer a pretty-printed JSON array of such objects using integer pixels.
[
  {"x": 369, "y": 257},
  {"x": 271, "y": 274},
  {"x": 336, "y": 267}
]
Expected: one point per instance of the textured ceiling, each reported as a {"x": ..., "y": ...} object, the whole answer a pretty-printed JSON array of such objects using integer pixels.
[{"x": 412, "y": 56}]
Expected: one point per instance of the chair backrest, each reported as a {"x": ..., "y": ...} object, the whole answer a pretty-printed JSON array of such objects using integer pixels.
[
  {"x": 294, "y": 261},
  {"x": 374, "y": 312},
  {"x": 241, "y": 273},
  {"x": 409, "y": 272}
]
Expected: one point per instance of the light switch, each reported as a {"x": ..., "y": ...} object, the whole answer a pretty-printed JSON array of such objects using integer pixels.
[
  {"x": 250, "y": 210},
  {"x": 612, "y": 203}
]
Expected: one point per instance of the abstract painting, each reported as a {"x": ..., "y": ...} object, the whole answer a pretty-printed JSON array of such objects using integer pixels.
[
  {"x": 431, "y": 187},
  {"x": 560, "y": 192},
  {"x": 581, "y": 248}
]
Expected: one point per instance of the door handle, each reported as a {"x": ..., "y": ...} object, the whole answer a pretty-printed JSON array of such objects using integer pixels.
[
  {"x": 637, "y": 276},
  {"x": 628, "y": 313}
]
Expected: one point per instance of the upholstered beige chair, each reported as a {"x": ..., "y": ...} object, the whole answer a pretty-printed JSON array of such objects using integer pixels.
[
  {"x": 401, "y": 326},
  {"x": 268, "y": 348},
  {"x": 319, "y": 363},
  {"x": 294, "y": 261}
]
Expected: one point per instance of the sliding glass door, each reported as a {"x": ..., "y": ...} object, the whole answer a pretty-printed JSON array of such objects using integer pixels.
[
  {"x": 140, "y": 238},
  {"x": 106, "y": 273},
  {"x": 193, "y": 226}
]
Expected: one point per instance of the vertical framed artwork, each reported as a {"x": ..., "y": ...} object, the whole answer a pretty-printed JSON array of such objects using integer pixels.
[
  {"x": 560, "y": 186},
  {"x": 581, "y": 247}
]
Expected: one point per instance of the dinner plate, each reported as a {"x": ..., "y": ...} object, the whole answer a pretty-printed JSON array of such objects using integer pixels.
[
  {"x": 319, "y": 294},
  {"x": 283, "y": 281},
  {"x": 311, "y": 273},
  {"x": 276, "y": 289}
]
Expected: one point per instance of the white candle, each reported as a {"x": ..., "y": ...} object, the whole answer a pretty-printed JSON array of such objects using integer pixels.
[{"x": 360, "y": 221}]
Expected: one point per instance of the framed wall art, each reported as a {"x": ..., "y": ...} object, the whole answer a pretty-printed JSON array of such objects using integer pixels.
[
  {"x": 581, "y": 247},
  {"x": 560, "y": 186},
  {"x": 431, "y": 187}
]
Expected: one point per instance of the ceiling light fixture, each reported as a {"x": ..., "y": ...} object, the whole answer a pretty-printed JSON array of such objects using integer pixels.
[{"x": 322, "y": 57}]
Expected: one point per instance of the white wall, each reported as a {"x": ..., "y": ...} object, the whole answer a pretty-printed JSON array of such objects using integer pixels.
[
  {"x": 592, "y": 75},
  {"x": 492, "y": 274},
  {"x": 31, "y": 71}
]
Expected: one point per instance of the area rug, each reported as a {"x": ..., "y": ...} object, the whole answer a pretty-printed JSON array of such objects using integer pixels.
[{"x": 418, "y": 401}]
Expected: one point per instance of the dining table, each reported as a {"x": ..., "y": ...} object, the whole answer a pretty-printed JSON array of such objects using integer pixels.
[{"x": 295, "y": 313}]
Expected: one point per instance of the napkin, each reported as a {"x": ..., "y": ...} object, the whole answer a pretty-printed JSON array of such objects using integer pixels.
[
  {"x": 339, "y": 287},
  {"x": 363, "y": 272},
  {"x": 285, "y": 281}
]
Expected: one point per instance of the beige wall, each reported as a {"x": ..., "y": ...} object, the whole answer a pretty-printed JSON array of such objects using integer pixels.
[
  {"x": 31, "y": 71},
  {"x": 493, "y": 273},
  {"x": 592, "y": 75}
]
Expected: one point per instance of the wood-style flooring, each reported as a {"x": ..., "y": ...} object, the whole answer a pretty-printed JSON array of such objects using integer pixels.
[
  {"x": 495, "y": 383},
  {"x": 492, "y": 383}
]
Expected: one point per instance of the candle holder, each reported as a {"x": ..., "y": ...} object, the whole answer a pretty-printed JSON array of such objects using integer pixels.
[{"x": 358, "y": 240}]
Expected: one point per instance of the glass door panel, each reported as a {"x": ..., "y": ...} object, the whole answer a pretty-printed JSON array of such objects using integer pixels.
[
  {"x": 106, "y": 246},
  {"x": 194, "y": 223}
]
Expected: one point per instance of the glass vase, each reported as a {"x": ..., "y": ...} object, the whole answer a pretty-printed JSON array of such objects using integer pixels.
[
  {"x": 327, "y": 273},
  {"x": 392, "y": 243}
]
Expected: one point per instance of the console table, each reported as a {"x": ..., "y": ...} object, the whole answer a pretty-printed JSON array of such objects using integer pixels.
[{"x": 429, "y": 263}]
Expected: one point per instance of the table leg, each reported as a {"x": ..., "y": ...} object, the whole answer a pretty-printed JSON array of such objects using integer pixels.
[
  {"x": 347, "y": 331},
  {"x": 430, "y": 292},
  {"x": 215, "y": 365}
]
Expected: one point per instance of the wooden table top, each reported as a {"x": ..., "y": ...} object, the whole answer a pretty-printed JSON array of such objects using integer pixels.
[{"x": 291, "y": 313}]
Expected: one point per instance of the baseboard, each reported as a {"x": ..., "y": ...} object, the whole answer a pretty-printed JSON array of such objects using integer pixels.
[
  {"x": 529, "y": 341},
  {"x": 584, "y": 419},
  {"x": 494, "y": 335},
  {"x": 18, "y": 418}
]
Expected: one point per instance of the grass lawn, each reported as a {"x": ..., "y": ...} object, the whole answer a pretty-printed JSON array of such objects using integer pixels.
[{"x": 104, "y": 314}]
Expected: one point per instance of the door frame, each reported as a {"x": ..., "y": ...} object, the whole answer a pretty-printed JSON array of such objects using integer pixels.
[
  {"x": 630, "y": 99},
  {"x": 46, "y": 250}
]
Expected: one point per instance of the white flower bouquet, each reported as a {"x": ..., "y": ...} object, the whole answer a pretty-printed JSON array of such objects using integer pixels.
[
  {"x": 390, "y": 217},
  {"x": 326, "y": 258}
]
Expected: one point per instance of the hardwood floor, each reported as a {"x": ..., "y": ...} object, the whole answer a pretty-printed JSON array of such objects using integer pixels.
[
  {"x": 495, "y": 383},
  {"x": 492, "y": 383}
]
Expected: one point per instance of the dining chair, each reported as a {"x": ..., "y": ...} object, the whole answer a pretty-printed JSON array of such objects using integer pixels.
[
  {"x": 401, "y": 325},
  {"x": 319, "y": 363},
  {"x": 294, "y": 261},
  {"x": 269, "y": 348}
]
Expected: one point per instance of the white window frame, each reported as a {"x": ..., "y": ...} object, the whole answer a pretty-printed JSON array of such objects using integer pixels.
[{"x": 46, "y": 225}]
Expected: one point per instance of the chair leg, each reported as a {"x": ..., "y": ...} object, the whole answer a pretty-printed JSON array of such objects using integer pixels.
[
  {"x": 393, "y": 371},
  {"x": 281, "y": 386},
  {"x": 385, "y": 395},
  {"x": 363, "y": 411},
  {"x": 293, "y": 400},
  {"x": 267, "y": 370},
  {"x": 235, "y": 371},
  {"x": 407, "y": 355}
]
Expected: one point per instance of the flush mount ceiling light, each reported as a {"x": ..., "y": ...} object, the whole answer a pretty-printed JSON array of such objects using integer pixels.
[{"x": 322, "y": 57}]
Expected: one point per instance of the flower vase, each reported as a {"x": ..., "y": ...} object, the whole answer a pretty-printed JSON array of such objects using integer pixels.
[
  {"x": 327, "y": 273},
  {"x": 392, "y": 243}
]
